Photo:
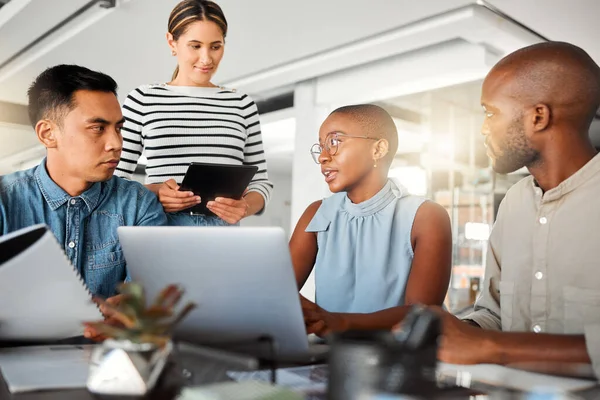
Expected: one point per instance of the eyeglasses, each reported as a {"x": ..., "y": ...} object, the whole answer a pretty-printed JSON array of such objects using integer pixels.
[{"x": 331, "y": 144}]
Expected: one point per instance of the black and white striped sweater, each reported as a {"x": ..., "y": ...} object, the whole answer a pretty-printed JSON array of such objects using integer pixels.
[{"x": 176, "y": 125}]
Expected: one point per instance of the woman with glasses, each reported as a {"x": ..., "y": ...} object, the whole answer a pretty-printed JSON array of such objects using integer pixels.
[
  {"x": 190, "y": 119},
  {"x": 375, "y": 249}
]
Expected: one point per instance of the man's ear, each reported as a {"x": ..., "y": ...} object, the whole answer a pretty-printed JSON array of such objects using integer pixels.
[
  {"x": 540, "y": 117},
  {"x": 380, "y": 149},
  {"x": 46, "y": 131}
]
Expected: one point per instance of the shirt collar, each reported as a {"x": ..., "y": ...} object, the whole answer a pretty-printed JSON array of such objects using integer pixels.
[
  {"x": 580, "y": 177},
  {"x": 55, "y": 196}
]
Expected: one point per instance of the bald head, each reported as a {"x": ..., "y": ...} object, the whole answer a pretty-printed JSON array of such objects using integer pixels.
[
  {"x": 375, "y": 122},
  {"x": 557, "y": 74}
]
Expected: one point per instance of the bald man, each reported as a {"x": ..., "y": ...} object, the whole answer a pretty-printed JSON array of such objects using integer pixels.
[{"x": 540, "y": 299}]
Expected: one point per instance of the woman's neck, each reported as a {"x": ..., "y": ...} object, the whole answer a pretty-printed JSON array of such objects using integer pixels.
[
  {"x": 363, "y": 191},
  {"x": 179, "y": 81}
]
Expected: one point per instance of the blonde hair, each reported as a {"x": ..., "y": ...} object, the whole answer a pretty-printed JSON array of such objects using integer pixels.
[{"x": 189, "y": 11}]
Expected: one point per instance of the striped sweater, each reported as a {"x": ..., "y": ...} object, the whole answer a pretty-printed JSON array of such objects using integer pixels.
[{"x": 176, "y": 125}]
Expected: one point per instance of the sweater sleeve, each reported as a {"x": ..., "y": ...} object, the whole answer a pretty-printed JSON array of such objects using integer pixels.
[
  {"x": 254, "y": 153},
  {"x": 133, "y": 139}
]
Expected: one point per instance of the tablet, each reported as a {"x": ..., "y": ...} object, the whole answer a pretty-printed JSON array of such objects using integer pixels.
[{"x": 210, "y": 181}]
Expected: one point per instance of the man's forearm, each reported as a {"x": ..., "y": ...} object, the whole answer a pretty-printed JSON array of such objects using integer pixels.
[
  {"x": 512, "y": 347},
  {"x": 384, "y": 319}
]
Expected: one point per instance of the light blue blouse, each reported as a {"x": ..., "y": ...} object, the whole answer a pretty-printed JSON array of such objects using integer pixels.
[{"x": 364, "y": 250}]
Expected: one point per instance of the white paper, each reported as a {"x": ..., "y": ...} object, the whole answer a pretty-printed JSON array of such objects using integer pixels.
[
  {"x": 41, "y": 294},
  {"x": 35, "y": 368},
  {"x": 309, "y": 378},
  {"x": 500, "y": 376}
]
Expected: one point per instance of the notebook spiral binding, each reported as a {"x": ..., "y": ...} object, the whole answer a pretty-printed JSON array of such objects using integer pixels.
[{"x": 79, "y": 277}]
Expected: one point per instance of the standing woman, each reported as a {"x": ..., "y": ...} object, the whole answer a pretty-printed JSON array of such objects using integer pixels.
[{"x": 190, "y": 119}]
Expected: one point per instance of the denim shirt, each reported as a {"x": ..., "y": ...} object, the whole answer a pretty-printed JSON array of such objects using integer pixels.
[{"x": 86, "y": 225}]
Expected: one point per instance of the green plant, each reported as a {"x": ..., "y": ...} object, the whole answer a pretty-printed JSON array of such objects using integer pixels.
[{"x": 128, "y": 317}]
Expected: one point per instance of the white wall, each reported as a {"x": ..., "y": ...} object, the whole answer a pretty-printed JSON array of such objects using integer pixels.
[{"x": 279, "y": 209}]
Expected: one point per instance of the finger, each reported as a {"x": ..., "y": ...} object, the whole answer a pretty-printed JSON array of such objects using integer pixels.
[
  {"x": 227, "y": 212},
  {"x": 192, "y": 201},
  {"x": 171, "y": 183},
  {"x": 175, "y": 194},
  {"x": 230, "y": 202},
  {"x": 227, "y": 217}
]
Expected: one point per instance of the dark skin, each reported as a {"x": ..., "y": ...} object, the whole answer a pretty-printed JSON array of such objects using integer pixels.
[
  {"x": 463, "y": 343},
  {"x": 430, "y": 237},
  {"x": 544, "y": 128}
]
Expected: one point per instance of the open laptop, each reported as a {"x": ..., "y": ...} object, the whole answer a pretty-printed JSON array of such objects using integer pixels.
[{"x": 241, "y": 279}]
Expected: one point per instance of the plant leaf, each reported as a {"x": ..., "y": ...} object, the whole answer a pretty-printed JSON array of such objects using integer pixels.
[
  {"x": 169, "y": 296},
  {"x": 157, "y": 312},
  {"x": 108, "y": 330},
  {"x": 111, "y": 311},
  {"x": 135, "y": 295}
]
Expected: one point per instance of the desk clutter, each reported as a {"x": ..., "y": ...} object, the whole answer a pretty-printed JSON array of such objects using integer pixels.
[
  {"x": 360, "y": 364},
  {"x": 43, "y": 368}
]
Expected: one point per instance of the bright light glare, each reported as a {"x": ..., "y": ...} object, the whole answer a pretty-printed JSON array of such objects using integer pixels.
[
  {"x": 413, "y": 178},
  {"x": 477, "y": 231}
]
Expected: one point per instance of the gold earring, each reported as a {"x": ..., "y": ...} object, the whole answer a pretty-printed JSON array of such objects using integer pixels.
[
  {"x": 374, "y": 163},
  {"x": 173, "y": 52}
]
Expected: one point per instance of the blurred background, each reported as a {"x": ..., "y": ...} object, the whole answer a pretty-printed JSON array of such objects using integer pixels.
[{"x": 423, "y": 61}]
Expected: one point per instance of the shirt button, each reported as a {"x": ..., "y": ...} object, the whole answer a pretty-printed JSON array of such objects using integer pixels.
[
  {"x": 71, "y": 245},
  {"x": 537, "y": 328},
  {"x": 73, "y": 201},
  {"x": 543, "y": 220},
  {"x": 538, "y": 275}
]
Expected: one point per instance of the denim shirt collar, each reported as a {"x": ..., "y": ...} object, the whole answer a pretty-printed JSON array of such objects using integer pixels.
[{"x": 55, "y": 196}]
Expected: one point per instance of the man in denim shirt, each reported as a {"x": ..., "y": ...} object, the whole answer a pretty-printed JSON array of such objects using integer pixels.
[{"x": 77, "y": 117}]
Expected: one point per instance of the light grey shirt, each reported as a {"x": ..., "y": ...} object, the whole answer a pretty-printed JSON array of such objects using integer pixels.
[{"x": 543, "y": 266}]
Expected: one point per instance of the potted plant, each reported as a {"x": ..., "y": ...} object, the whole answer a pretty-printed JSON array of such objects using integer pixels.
[{"x": 138, "y": 340}]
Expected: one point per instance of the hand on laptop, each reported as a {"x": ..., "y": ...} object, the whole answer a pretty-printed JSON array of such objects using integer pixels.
[
  {"x": 229, "y": 210},
  {"x": 91, "y": 333},
  {"x": 319, "y": 321},
  {"x": 173, "y": 200}
]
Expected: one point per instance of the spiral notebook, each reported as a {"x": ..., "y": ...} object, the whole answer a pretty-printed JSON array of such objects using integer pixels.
[{"x": 42, "y": 296}]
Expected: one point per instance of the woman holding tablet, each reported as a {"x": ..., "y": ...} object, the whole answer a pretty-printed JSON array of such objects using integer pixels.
[{"x": 190, "y": 119}]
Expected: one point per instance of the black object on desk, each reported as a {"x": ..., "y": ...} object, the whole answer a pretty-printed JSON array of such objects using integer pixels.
[
  {"x": 210, "y": 181},
  {"x": 367, "y": 362}
]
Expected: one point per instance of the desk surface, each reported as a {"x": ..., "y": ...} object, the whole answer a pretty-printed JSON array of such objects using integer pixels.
[{"x": 197, "y": 369}]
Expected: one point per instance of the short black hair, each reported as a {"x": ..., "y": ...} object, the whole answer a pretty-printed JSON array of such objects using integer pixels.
[
  {"x": 51, "y": 94},
  {"x": 376, "y": 122}
]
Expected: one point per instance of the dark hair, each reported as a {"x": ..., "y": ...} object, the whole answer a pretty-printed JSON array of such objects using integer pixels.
[
  {"x": 376, "y": 122},
  {"x": 51, "y": 93},
  {"x": 189, "y": 11}
]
